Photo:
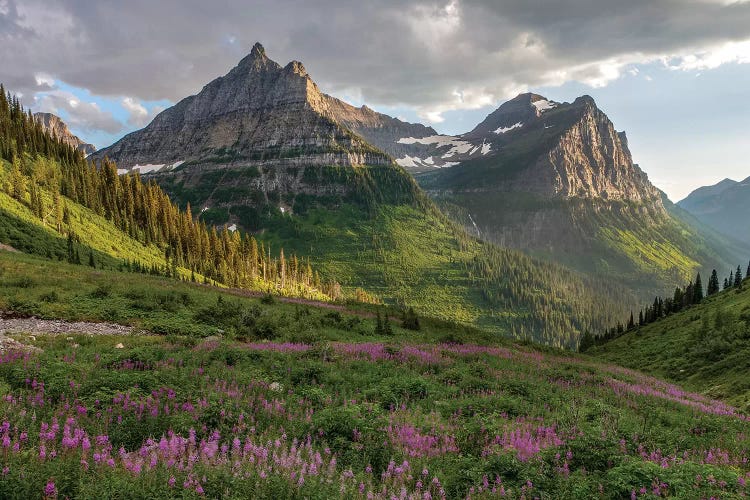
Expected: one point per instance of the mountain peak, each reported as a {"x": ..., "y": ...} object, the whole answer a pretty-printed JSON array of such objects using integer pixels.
[
  {"x": 585, "y": 100},
  {"x": 256, "y": 59},
  {"x": 258, "y": 110},
  {"x": 54, "y": 125},
  {"x": 296, "y": 67},
  {"x": 258, "y": 52}
]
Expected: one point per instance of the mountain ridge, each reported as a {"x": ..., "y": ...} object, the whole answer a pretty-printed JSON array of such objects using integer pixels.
[
  {"x": 284, "y": 166},
  {"x": 54, "y": 125},
  {"x": 560, "y": 183},
  {"x": 723, "y": 206}
]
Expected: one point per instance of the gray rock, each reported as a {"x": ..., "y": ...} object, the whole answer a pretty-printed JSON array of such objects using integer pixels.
[{"x": 54, "y": 125}]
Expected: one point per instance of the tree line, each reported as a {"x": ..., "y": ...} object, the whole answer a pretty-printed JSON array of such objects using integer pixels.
[
  {"x": 689, "y": 295},
  {"x": 40, "y": 161}
]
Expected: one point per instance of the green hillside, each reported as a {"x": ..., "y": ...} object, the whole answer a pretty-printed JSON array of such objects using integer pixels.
[
  {"x": 251, "y": 398},
  {"x": 23, "y": 230},
  {"x": 705, "y": 348},
  {"x": 371, "y": 228},
  {"x": 56, "y": 204},
  {"x": 517, "y": 197}
]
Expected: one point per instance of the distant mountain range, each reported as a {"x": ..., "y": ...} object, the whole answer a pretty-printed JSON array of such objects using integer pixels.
[
  {"x": 262, "y": 149},
  {"x": 725, "y": 206},
  {"x": 555, "y": 180},
  {"x": 54, "y": 125}
]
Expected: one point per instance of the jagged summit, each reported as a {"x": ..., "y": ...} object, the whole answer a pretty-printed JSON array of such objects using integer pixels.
[
  {"x": 54, "y": 125},
  {"x": 258, "y": 111},
  {"x": 258, "y": 52},
  {"x": 296, "y": 67}
]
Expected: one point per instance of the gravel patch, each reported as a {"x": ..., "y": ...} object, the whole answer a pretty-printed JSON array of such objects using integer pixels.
[{"x": 35, "y": 326}]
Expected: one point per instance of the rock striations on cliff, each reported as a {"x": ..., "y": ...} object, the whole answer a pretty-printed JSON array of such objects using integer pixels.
[
  {"x": 559, "y": 181},
  {"x": 258, "y": 112},
  {"x": 54, "y": 125}
]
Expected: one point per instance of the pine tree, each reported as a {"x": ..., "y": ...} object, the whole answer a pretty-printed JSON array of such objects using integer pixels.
[
  {"x": 631, "y": 321},
  {"x": 587, "y": 341},
  {"x": 17, "y": 181},
  {"x": 410, "y": 320},
  {"x": 698, "y": 290},
  {"x": 379, "y": 324},
  {"x": 91, "y": 259},
  {"x": 387, "y": 330},
  {"x": 713, "y": 284},
  {"x": 738, "y": 278}
]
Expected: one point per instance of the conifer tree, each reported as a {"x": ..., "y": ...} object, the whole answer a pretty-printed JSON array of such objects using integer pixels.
[
  {"x": 17, "y": 181},
  {"x": 738, "y": 278},
  {"x": 387, "y": 330},
  {"x": 410, "y": 320},
  {"x": 713, "y": 284},
  {"x": 698, "y": 290},
  {"x": 379, "y": 324}
]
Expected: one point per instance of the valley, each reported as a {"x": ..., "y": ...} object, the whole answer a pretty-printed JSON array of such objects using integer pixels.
[{"x": 260, "y": 290}]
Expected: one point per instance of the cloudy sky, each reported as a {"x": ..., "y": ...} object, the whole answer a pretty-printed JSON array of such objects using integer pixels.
[{"x": 673, "y": 73}]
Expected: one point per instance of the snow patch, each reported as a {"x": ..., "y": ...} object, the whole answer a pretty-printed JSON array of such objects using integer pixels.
[
  {"x": 414, "y": 162},
  {"x": 502, "y": 130},
  {"x": 204, "y": 209},
  {"x": 408, "y": 161},
  {"x": 176, "y": 164},
  {"x": 456, "y": 145},
  {"x": 486, "y": 148},
  {"x": 122, "y": 171},
  {"x": 543, "y": 105},
  {"x": 232, "y": 228},
  {"x": 144, "y": 169}
]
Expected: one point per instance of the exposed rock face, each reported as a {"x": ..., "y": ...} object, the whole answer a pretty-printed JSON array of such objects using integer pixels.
[
  {"x": 550, "y": 149},
  {"x": 590, "y": 160},
  {"x": 724, "y": 207},
  {"x": 263, "y": 139},
  {"x": 259, "y": 111},
  {"x": 560, "y": 182},
  {"x": 53, "y": 124},
  {"x": 380, "y": 130}
]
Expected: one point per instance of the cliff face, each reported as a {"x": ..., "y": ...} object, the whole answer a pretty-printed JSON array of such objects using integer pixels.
[
  {"x": 53, "y": 124},
  {"x": 263, "y": 140},
  {"x": 554, "y": 150},
  {"x": 560, "y": 183},
  {"x": 259, "y": 111},
  {"x": 590, "y": 160}
]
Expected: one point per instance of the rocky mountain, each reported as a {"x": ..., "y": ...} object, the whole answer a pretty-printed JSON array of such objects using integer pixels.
[
  {"x": 559, "y": 182},
  {"x": 54, "y": 125},
  {"x": 262, "y": 149},
  {"x": 258, "y": 112},
  {"x": 724, "y": 206}
]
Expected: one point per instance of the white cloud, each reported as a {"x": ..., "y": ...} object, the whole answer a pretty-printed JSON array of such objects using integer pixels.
[
  {"x": 397, "y": 53},
  {"x": 44, "y": 80},
  {"x": 84, "y": 116},
  {"x": 138, "y": 114}
]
